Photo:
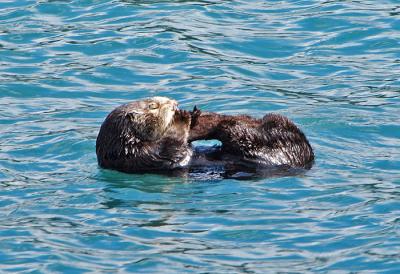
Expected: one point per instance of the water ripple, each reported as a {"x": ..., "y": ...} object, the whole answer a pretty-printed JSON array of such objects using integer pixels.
[{"x": 331, "y": 66}]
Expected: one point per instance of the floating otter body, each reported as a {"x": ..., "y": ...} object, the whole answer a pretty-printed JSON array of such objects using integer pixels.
[
  {"x": 153, "y": 135},
  {"x": 147, "y": 135},
  {"x": 273, "y": 141}
]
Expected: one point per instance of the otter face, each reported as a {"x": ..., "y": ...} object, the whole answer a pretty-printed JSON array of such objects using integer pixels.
[
  {"x": 163, "y": 108},
  {"x": 151, "y": 117}
]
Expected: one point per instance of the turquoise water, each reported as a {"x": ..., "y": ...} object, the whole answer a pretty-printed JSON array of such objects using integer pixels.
[{"x": 331, "y": 66}]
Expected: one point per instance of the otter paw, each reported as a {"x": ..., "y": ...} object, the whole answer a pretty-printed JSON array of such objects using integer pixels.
[
  {"x": 195, "y": 114},
  {"x": 184, "y": 117}
]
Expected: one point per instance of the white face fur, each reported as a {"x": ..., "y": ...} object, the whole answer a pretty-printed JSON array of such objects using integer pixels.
[{"x": 163, "y": 107}]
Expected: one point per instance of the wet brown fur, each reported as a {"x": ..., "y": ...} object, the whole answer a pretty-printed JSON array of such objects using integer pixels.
[
  {"x": 129, "y": 141},
  {"x": 273, "y": 140},
  {"x": 132, "y": 142}
]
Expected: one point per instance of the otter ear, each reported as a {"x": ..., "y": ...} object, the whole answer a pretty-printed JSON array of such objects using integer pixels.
[{"x": 131, "y": 115}]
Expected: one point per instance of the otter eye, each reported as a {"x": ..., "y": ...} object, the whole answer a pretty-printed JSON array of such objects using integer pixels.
[{"x": 153, "y": 105}]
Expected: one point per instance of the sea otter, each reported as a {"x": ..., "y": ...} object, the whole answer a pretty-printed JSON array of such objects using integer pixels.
[
  {"x": 145, "y": 136},
  {"x": 273, "y": 141},
  {"x": 153, "y": 135}
]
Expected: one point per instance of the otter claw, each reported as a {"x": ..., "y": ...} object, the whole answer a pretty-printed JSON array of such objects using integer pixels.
[
  {"x": 195, "y": 114},
  {"x": 184, "y": 115}
]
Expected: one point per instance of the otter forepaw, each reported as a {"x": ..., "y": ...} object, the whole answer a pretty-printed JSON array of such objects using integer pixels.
[
  {"x": 195, "y": 114},
  {"x": 184, "y": 116}
]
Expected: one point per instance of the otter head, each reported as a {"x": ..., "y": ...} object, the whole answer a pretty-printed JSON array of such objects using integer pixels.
[{"x": 150, "y": 118}]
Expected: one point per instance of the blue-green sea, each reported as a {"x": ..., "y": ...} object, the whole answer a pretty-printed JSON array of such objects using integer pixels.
[{"x": 333, "y": 67}]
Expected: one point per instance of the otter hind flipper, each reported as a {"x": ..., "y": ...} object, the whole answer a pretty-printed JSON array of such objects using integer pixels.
[
  {"x": 274, "y": 120},
  {"x": 283, "y": 135}
]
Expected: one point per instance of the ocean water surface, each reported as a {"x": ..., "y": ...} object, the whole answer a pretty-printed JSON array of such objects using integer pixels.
[{"x": 331, "y": 66}]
